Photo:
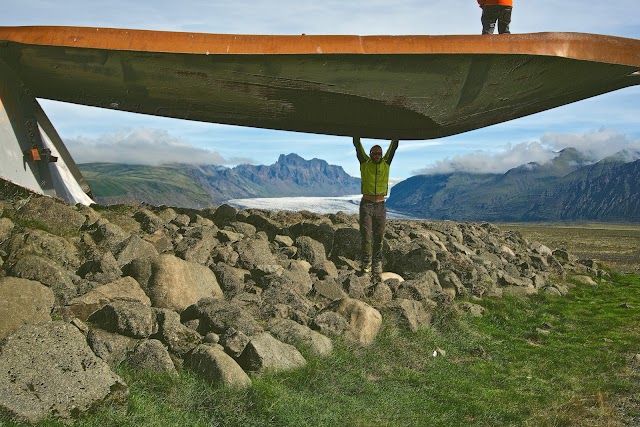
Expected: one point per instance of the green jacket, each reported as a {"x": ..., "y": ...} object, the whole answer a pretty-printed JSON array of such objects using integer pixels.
[{"x": 375, "y": 176}]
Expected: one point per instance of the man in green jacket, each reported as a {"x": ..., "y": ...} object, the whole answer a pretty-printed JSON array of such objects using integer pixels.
[{"x": 374, "y": 173}]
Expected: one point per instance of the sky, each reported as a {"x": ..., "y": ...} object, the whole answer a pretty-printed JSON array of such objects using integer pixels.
[{"x": 598, "y": 126}]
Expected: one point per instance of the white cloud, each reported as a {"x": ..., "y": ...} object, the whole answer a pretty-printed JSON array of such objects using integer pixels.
[
  {"x": 140, "y": 146},
  {"x": 595, "y": 145},
  {"x": 483, "y": 162}
]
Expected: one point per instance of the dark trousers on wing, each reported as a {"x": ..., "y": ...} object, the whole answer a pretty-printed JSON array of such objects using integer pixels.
[
  {"x": 373, "y": 219},
  {"x": 496, "y": 13}
]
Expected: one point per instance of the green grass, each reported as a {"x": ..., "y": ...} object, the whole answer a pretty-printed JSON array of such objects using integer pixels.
[
  {"x": 536, "y": 361},
  {"x": 109, "y": 181}
]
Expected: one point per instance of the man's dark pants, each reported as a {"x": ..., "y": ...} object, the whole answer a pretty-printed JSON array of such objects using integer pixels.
[
  {"x": 491, "y": 14},
  {"x": 373, "y": 218}
]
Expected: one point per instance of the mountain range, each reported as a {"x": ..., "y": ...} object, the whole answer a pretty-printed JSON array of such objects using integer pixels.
[
  {"x": 198, "y": 186},
  {"x": 568, "y": 188}
]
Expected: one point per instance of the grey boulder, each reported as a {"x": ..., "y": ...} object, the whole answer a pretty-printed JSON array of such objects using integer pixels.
[
  {"x": 23, "y": 302},
  {"x": 291, "y": 332},
  {"x": 151, "y": 355},
  {"x": 264, "y": 352},
  {"x": 49, "y": 371},
  {"x": 218, "y": 367}
]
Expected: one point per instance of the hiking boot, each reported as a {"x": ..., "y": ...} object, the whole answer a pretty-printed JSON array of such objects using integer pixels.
[
  {"x": 366, "y": 271},
  {"x": 366, "y": 268}
]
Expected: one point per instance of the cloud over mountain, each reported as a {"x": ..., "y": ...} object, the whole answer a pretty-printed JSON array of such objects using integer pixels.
[
  {"x": 142, "y": 146},
  {"x": 594, "y": 145}
]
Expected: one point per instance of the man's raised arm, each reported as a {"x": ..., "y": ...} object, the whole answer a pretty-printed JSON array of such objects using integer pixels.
[
  {"x": 362, "y": 156},
  {"x": 391, "y": 150}
]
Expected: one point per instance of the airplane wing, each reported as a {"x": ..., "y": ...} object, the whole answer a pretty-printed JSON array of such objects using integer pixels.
[{"x": 407, "y": 87}]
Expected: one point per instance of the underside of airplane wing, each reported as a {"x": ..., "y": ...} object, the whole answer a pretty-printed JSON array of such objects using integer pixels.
[
  {"x": 408, "y": 87},
  {"x": 405, "y": 87}
]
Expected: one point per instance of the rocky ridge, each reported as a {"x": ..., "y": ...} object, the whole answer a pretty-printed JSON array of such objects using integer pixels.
[{"x": 223, "y": 292}]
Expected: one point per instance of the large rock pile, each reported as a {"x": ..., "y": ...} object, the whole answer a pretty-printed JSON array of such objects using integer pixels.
[{"x": 222, "y": 292}]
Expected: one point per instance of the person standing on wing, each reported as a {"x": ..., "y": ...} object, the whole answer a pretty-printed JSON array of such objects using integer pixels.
[
  {"x": 496, "y": 10},
  {"x": 374, "y": 173}
]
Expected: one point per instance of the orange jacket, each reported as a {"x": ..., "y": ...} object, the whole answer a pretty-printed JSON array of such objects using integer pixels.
[{"x": 499, "y": 2}]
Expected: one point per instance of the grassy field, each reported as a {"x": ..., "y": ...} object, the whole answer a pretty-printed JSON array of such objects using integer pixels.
[
  {"x": 616, "y": 245},
  {"x": 538, "y": 361}
]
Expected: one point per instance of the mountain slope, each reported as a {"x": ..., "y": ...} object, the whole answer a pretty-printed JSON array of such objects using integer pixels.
[
  {"x": 565, "y": 189},
  {"x": 611, "y": 194},
  {"x": 198, "y": 186},
  {"x": 117, "y": 183}
]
